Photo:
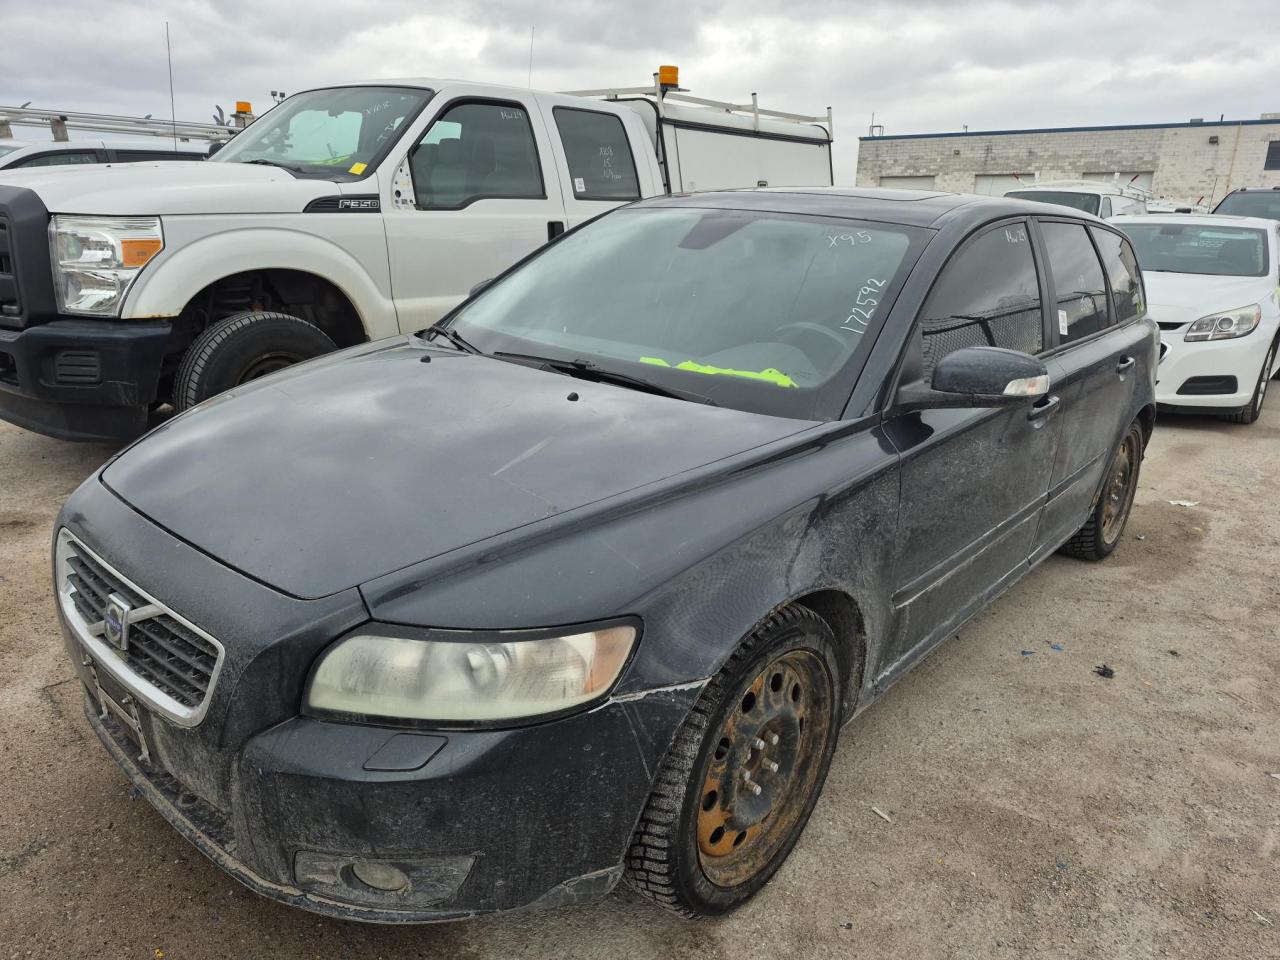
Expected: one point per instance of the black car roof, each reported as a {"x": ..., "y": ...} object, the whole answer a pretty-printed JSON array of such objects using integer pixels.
[{"x": 921, "y": 208}]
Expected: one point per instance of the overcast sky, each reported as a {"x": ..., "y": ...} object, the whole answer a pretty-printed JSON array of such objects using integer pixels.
[{"x": 920, "y": 65}]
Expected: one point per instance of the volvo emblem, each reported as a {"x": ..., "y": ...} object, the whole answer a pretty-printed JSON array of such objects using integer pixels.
[{"x": 116, "y": 621}]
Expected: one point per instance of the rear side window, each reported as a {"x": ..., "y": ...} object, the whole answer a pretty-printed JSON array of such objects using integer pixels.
[
  {"x": 59, "y": 159},
  {"x": 138, "y": 156},
  {"x": 987, "y": 296},
  {"x": 1122, "y": 270},
  {"x": 600, "y": 162},
  {"x": 475, "y": 151},
  {"x": 1081, "y": 307}
]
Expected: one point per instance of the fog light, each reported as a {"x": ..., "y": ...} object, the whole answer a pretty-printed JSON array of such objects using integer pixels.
[{"x": 380, "y": 876}]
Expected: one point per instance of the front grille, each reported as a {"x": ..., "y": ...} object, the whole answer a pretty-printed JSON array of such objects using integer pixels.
[
  {"x": 10, "y": 305},
  {"x": 162, "y": 653}
]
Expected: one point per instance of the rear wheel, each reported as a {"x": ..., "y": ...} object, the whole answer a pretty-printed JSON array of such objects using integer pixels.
[
  {"x": 744, "y": 772},
  {"x": 1100, "y": 534},
  {"x": 241, "y": 348},
  {"x": 1250, "y": 413}
]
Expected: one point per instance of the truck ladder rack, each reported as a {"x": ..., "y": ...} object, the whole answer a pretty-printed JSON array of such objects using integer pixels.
[
  {"x": 60, "y": 120},
  {"x": 661, "y": 93}
]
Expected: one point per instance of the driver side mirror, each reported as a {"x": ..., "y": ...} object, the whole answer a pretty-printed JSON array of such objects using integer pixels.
[
  {"x": 978, "y": 377},
  {"x": 215, "y": 147},
  {"x": 479, "y": 287}
]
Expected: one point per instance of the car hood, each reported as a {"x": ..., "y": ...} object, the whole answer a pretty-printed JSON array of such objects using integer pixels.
[
  {"x": 353, "y": 466},
  {"x": 1184, "y": 297},
  {"x": 173, "y": 187}
]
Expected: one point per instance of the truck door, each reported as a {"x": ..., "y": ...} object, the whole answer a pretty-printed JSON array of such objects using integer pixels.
[
  {"x": 603, "y": 158},
  {"x": 477, "y": 191}
]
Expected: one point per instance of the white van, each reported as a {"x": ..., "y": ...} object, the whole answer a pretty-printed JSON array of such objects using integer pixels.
[
  {"x": 1102, "y": 199},
  {"x": 344, "y": 214}
]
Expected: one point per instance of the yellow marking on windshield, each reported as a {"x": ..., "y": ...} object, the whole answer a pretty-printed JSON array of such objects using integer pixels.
[{"x": 770, "y": 375}]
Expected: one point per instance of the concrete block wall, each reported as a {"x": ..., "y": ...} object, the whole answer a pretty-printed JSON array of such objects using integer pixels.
[{"x": 1185, "y": 164}]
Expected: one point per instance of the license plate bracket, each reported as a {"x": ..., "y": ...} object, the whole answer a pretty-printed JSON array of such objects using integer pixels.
[{"x": 116, "y": 702}]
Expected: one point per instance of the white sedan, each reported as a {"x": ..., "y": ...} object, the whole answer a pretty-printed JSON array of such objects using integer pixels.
[{"x": 1211, "y": 285}]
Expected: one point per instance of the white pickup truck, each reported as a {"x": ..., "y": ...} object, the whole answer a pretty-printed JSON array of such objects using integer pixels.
[{"x": 344, "y": 214}]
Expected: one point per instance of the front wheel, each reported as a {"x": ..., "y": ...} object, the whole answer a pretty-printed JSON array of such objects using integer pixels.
[
  {"x": 744, "y": 772},
  {"x": 241, "y": 348},
  {"x": 1101, "y": 532},
  {"x": 1250, "y": 413}
]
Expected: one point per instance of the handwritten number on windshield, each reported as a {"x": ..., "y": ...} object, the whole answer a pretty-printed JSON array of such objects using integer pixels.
[{"x": 868, "y": 299}]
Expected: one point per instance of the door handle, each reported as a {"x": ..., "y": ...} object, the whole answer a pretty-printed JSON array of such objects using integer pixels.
[
  {"x": 1125, "y": 365},
  {"x": 554, "y": 228},
  {"x": 1043, "y": 408}
]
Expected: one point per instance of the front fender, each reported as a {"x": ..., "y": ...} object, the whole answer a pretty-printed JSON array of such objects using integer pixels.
[
  {"x": 700, "y": 566},
  {"x": 183, "y": 269}
]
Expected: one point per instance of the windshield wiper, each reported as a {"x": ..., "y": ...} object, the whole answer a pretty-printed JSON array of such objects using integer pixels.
[
  {"x": 453, "y": 336},
  {"x": 274, "y": 163},
  {"x": 586, "y": 370}
]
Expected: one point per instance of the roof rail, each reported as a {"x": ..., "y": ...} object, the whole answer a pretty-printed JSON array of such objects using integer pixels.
[
  {"x": 662, "y": 91},
  {"x": 60, "y": 120}
]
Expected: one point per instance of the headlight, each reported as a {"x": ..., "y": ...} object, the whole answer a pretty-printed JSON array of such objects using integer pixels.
[
  {"x": 386, "y": 671},
  {"x": 1225, "y": 325},
  {"x": 96, "y": 259}
]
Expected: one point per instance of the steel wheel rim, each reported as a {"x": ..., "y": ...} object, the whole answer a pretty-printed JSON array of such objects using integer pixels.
[
  {"x": 265, "y": 364},
  {"x": 764, "y": 763},
  {"x": 1118, "y": 495}
]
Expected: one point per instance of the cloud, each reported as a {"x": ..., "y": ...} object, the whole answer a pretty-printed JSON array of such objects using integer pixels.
[{"x": 920, "y": 67}]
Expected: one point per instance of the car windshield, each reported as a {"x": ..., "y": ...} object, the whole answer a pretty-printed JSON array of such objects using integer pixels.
[
  {"x": 1191, "y": 248},
  {"x": 1256, "y": 203},
  {"x": 10, "y": 147},
  {"x": 1088, "y": 202},
  {"x": 766, "y": 312},
  {"x": 335, "y": 134}
]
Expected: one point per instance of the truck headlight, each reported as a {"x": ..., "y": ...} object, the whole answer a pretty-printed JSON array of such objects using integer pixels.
[
  {"x": 96, "y": 259},
  {"x": 1226, "y": 325},
  {"x": 460, "y": 677}
]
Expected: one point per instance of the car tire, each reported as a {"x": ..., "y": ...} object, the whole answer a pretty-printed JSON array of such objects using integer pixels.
[
  {"x": 690, "y": 852},
  {"x": 1250, "y": 413},
  {"x": 1101, "y": 532},
  {"x": 242, "y": 347}
]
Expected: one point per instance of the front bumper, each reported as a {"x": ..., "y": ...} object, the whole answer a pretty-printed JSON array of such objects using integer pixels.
[
  {"x": 1188, "y": 370},
  {"x": 82, "y": 379},
  {"x": 490, "y": 821}
]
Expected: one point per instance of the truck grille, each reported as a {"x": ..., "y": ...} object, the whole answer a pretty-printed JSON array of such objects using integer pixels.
[
  {"x": 167, "y": 661},
  {"x": 10, "y": 305}
]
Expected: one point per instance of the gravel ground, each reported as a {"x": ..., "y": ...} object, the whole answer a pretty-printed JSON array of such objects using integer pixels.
[{"x": 1037, "y": 809}]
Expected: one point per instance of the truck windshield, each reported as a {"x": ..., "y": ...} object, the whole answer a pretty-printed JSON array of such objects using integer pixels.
[
  {"x": 1189, "y": 248},
  {"x": 1088, "y": 202},
  {"x": 765, "y": 312},
  {"x": 336, "y": 134},
  {"x": 1255, "y": 203}
]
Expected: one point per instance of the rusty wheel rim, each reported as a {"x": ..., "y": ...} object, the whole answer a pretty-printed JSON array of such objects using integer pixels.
[
  {"x": 764, "y": 763},
  {"x": 1119, "y": 492}
]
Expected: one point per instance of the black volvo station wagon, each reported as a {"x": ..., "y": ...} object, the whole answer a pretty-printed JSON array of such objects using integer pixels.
[{"x": 610, "y": 554}]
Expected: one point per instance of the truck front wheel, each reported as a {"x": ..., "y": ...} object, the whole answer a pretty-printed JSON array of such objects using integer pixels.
[{"x": 243, "y": 347}]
